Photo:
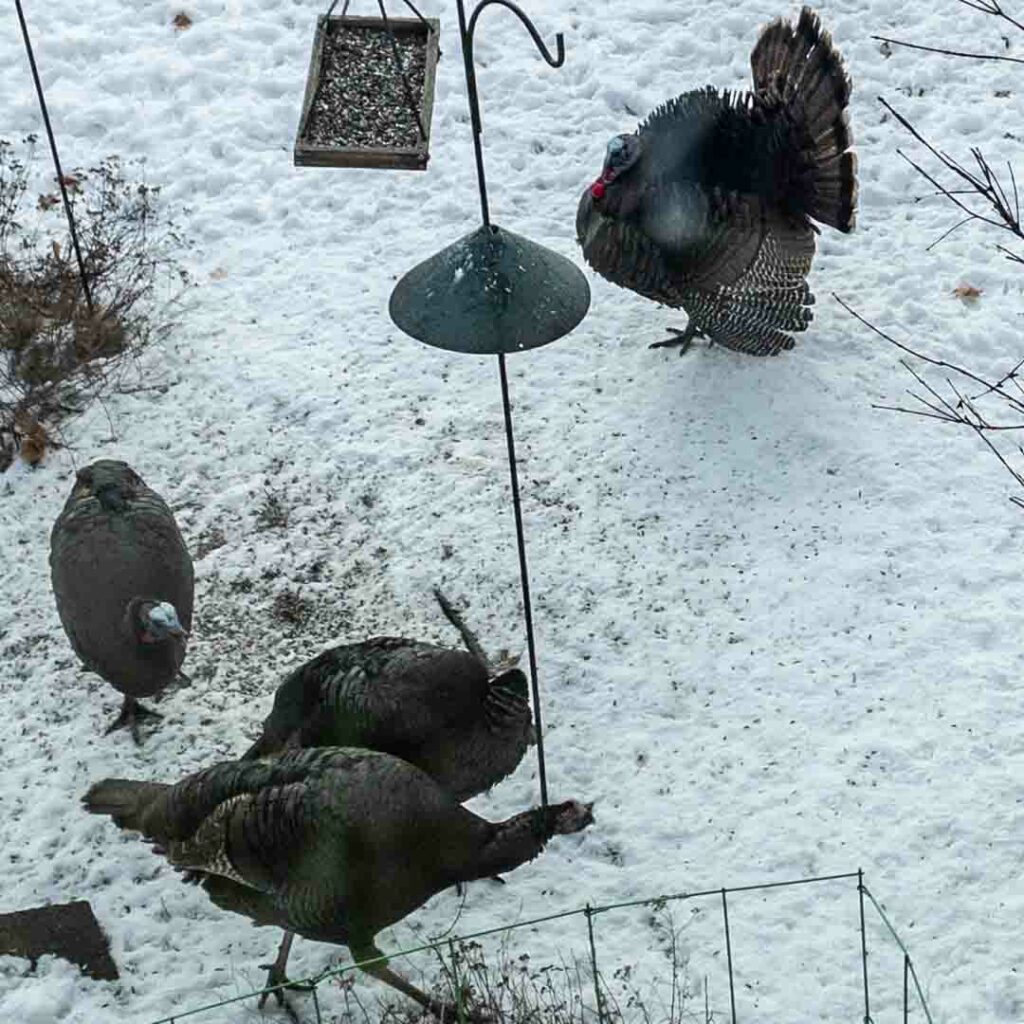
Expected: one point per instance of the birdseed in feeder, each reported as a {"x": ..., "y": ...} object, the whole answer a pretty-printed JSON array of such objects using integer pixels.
[{"x": 361, "y": 100}]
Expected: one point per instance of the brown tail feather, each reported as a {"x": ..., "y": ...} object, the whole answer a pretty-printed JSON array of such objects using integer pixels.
[
  {"x": 799, "y": 67},
  {"x": 123, "y": 800}
]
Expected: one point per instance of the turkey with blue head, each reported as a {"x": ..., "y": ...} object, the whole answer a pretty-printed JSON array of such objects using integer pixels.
[
  {"x": 709, "y": 205},
  {"x": 123, "y": 581}
]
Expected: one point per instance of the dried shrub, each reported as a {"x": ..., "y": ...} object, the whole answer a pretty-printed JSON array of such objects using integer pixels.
[
  {"x": 56, "y": 354},
  {"x": 510, "y": 988}
]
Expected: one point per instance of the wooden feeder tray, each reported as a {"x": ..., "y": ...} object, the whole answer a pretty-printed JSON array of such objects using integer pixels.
[{"x": 356, "y": 111}]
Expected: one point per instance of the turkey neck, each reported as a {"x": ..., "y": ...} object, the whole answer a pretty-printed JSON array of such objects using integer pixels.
[{"x": 511, "y": 843}]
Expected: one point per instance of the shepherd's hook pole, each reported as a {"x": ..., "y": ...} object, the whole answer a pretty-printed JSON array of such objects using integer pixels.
[
  {"x": 466, "y": 33},
  {"x": 56, "y": 158}
]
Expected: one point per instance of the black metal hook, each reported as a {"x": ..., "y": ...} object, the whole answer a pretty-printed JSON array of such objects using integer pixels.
[
  {"x": 466, "y": 31},
  {"x": 555, "y": 62}
]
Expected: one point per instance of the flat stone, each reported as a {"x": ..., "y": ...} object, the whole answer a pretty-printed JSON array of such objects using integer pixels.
[{"x": 67, "y": 930}]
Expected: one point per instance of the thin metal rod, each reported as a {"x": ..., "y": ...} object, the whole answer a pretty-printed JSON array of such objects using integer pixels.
[
  {"x": 466, "y": 33},
  {"x": 714, "y": 892},
  {"x": 593, "y": 964},
  {"x": 863, "y": 946},
  {"x": 56, "y": 159},
  {"x": 412, "y": 7},
  {"x": 899, "y": 942},
  {"x": 906, "y": 988},
  {"x": 556, "y": 62},
  {"x": 474, "y": 111},
  {"x": 728, "y": 957},
  {"x": 524, "y": 577}
]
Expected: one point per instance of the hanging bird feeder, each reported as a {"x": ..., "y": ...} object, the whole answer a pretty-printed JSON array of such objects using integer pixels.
[{"x": 369, "y": 92}]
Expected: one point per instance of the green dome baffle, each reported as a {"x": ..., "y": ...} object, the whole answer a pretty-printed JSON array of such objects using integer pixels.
[{"x": 491, "y": 291}]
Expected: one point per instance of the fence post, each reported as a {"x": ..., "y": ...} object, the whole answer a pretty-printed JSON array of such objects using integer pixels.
[
  {"x": 863, "y": 945},
  {"x": 316, "y": 1002},
  {"x": 906, "y": 987},
  {"x": 728, "y": 957},
  {"x": 593, "y": 962}
]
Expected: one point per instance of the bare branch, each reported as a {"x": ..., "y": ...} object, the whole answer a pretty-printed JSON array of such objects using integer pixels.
[
  {"x": 999, "y": 209},
  {"x": 964, "y": 409},
  {"x": 993, "y": 8},
  {"x": 947, "y": 52}
]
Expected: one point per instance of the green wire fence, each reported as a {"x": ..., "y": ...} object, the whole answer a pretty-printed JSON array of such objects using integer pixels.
[{"x": 592, "y": 913}]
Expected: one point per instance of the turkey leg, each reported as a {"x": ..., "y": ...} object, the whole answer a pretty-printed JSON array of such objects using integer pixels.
[
  {"x": 276, "y": 976},
  {"x": 684, "y": 339},
  {"x": 442, "y": 1009},
  {"x": 132, "y": 712}
]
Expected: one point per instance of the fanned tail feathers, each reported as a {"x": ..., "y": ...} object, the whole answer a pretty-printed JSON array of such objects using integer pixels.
[{"x": 798, "y": 67}]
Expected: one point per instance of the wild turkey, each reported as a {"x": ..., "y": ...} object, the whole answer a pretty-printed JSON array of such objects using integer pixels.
[
  {"x": 122, "y": 577},
  {"x": 445, "y": 711},
  {"x": 708, "y": 205},
  {"x": 332, "y": 843}
]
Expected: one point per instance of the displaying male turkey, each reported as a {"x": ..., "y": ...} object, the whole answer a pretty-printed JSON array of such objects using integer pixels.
[
  {"x": 445, "y": 711},
  {"x": 332, "y": 843},
  {"x": 708, "y": 205},
  {"x": 122, "y": 577}
]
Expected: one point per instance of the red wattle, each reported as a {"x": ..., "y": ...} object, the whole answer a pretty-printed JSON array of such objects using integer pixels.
[{"x": 597, "y": 189}]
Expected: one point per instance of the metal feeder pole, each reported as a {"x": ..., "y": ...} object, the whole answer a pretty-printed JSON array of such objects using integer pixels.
[
  {"x": 466, "y": 32},
  {"x": 493, "y": 292}
]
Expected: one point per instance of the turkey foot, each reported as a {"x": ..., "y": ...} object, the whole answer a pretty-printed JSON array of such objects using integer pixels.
[
  {"x": 276, "y": 976},
  {"x": 681, "y": 338},
  {"x": 132, "y": 712}
]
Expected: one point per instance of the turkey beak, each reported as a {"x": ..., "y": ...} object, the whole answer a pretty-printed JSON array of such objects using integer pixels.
[{"x": 178, "y": 631}]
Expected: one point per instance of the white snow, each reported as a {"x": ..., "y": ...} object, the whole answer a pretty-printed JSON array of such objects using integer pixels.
[{"x": 779, "y": 630}]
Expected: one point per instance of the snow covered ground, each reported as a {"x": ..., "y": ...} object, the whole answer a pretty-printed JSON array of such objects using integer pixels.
[{"x": 778, "y": 629}]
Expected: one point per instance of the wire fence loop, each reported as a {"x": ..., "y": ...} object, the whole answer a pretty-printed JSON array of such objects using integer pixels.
[{"x": 606, "y": 1011}]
